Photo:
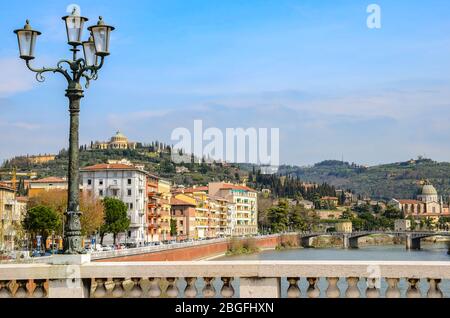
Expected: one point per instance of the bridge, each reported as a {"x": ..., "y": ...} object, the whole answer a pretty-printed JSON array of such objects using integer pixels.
[{"x": 350, "y": 239}]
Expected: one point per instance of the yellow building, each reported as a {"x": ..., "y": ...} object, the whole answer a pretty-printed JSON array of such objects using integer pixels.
[
  {"x": 41, "y": 159},
  {"x": 118, "y": 141},
  {"x": 12, "y": 211},
  {"x": 243, "y": 213},
  {"x": 344, "y": 227}
]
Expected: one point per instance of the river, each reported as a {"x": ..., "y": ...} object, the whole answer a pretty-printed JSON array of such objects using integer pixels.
[{"x": 429, "y": 252}]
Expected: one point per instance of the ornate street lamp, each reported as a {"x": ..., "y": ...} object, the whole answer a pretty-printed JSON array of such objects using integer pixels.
[{"x": 95, "y": 50}]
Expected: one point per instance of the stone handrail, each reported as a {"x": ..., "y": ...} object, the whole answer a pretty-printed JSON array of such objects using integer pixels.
[{"x": 269, "y": 279}]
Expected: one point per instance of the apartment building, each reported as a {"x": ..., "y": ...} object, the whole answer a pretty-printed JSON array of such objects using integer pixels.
[
  {"x": 183, "y": 212},
  {"x": 126, "y": 182},
  {"x": 12, "y": 212},
  {"x": 243, "y": 217}
]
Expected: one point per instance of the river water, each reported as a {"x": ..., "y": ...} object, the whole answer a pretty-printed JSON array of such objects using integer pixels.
[{"x": 429, "y": 252}]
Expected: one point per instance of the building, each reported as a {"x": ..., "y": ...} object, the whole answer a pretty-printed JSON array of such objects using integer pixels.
[
  {"x": 119, "y": 141},
  {"x": 39, "y": 159},
  {"x": 12, "y": 212},
  {"x": 36, "y": 187},
  {"x": 127, "y": 183},
  {"x": 329, "y": 214},
  {"x": 308, "y": 205},
  {"x": 330, "y": 200},
  {"x": 243, "y": 214},
  {"x": 402, "y": 225},
  {"x": 427, "y": 204},
  {"x": 344, "y": 227},
  {"x": 183, "y": 211}
]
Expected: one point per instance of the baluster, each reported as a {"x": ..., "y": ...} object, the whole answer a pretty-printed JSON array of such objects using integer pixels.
[
  {"x": 372, "y": 291},
  {"x": 413, "y": 290},
  {"x": 227, "y": 290},
  {"x": 118, "y": 291},
  {"x": 136, "y": 290},
  {"x": 38, "y": 291},
  {"x": 154, "y": 290},
  {"x": 392, "y": 290},
  {"x": 100, "y": 290},
  {"x": 333, "y": 290},
  {"x": 172, "y": 289},
  {"x": 313, "y": 291},
  {"x": 352, "y": 288},
  {"x": 21, "y": 291},
  {"x": 190, "y": 291},
  {"x": 293, "y": 290},
  {"x": 434, "y": 291},
  {"x": 4, "y": 291},
  {"x": 208, "y": 291}
]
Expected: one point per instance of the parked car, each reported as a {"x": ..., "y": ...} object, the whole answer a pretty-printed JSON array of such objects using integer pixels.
[{"x": 106, "y": 248}]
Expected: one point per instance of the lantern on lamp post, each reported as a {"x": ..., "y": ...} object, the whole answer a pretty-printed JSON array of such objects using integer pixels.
[{"x": 95, "y": 50}]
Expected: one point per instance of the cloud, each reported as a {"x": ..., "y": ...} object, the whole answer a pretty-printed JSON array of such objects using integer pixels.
[{"x": 15, "y": 77}]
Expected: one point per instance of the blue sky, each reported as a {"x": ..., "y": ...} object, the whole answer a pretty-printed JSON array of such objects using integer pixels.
[{"x": 311, "y": 68}]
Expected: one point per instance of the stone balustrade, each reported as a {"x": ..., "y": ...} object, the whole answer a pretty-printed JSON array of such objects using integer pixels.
[{"x": 246, "y": 279}]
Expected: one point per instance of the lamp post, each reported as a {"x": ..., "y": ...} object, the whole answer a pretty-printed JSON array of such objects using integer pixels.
[{"x": 95, "y": 50}]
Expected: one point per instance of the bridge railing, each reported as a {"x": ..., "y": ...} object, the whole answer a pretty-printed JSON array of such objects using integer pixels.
[{"x": 253, "y": 279}]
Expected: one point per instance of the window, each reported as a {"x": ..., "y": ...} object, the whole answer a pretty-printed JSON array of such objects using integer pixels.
[
  {"x": 115, "y": 182},
  {"x": 89, "y": 181},
  {"x": 100, "y": 182},
  {"x": 129, "y": 192},
  {"x": 100, "y": 193},
  {"x": 129, "y": 181},
  {"x": 131, "y": 206}
]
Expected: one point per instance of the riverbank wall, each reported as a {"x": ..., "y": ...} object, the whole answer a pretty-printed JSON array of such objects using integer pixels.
[{"x": 203, "y": 251}]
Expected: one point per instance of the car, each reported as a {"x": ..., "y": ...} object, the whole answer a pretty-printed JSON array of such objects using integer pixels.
[{"x": 107, "y": 248}]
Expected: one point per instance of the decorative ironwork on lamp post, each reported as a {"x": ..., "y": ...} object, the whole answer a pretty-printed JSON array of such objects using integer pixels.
[{"x": 95, "y": 50}]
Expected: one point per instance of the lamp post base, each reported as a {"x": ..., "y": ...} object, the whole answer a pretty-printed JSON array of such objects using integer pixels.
[{"x": 62, "y": 259}]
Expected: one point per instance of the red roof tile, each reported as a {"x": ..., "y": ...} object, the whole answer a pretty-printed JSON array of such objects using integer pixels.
[
  {"x": 107, "y": 166},
  {"x": 236, "y": 187},
  {"x": 175, "y": 201}
]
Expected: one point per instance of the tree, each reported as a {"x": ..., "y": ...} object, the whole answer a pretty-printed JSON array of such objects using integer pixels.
[
  {"x": 41, "y": 220},
  {"x": 92, "y": 208},
  {"x": 173, "y": 227},
  {"x": 116, "y": 218},
  {"x": 393, "y": 213},
  {"x": 278, "y": 217}
]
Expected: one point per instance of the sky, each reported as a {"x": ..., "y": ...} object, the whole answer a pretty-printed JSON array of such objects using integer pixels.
[{"x": 335, "y": 88}]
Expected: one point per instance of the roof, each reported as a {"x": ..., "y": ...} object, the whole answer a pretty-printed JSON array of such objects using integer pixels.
[
  {"x": 329, "y": 198},
  {"x": 175, "y": 201},
  {"x": 228, "y": 186},
  {"x": 428, "y": 189},
  {"x": 22, "y": 199},
  {"x": 196, "y": 189},
  {"x": 4, "y": 186},
  {"x": 50, "y": 180},
  {"x": 408, "y": 201},
  {"x": 110, "y": 166}
]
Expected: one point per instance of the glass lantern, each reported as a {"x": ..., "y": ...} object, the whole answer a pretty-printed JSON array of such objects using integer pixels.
[
  {"x": 27, "y": 41},
  {"x": 74, "y": 28},
  {"x": 101, "y": 34}
]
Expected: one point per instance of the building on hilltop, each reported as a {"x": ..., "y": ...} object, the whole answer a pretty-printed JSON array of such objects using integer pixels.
[
  {"x": 427, "y": 204},
  {"x": 119, "y": 141}
]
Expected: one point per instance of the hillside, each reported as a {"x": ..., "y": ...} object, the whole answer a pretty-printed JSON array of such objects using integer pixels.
[
  {"x": 156, "y": 162},
  {"x": 400, "y": 180}
]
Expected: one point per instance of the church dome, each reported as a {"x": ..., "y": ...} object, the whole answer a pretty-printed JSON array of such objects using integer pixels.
[{"x": 428, "y": 189}]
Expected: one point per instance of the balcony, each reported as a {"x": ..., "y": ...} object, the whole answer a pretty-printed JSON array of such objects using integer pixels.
[{"x": 291, "y": 279}]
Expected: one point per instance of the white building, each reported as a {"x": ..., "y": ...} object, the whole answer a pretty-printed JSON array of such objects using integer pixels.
[{"x": 125, "y": 182}]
